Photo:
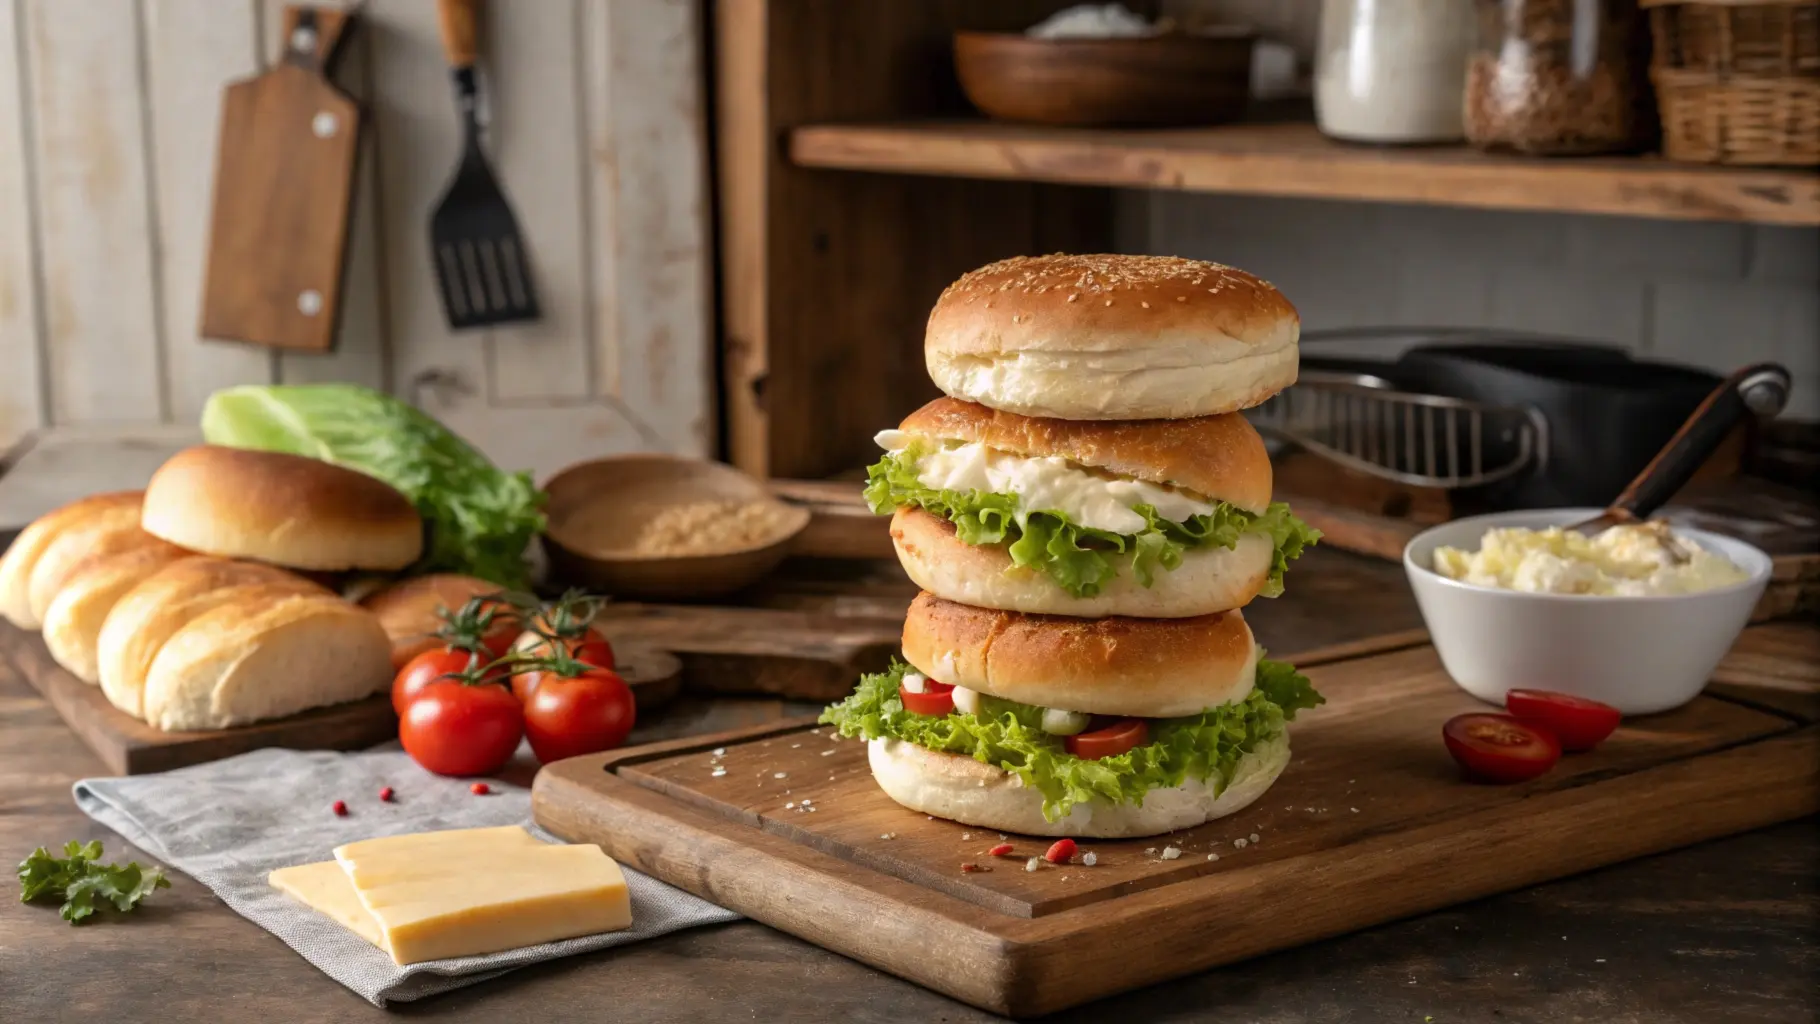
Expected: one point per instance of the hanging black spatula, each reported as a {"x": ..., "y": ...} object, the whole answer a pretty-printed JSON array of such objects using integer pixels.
[{"x": 482, "y": 267}]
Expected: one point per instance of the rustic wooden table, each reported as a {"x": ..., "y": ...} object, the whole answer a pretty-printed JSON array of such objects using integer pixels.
[{"x": 1727, "y": 931}]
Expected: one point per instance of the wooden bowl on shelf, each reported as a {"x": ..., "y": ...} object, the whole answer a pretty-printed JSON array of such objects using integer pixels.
[
  {"x": 1153, "y": 81},
  {"x": 597, "y": 509}
]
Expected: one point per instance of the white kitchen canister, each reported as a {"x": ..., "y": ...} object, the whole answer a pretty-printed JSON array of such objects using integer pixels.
[{"x": 1393, "y": 71}]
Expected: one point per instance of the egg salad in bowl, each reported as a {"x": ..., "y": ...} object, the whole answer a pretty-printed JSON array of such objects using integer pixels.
[{"x": 1631, "y": 560}]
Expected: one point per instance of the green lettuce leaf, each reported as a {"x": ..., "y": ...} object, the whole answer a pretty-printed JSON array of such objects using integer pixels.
[
  {"x": 480, "y": 519},
  {"x": 1079, "y": 558},
  {"x": 1008, "y": 735}
]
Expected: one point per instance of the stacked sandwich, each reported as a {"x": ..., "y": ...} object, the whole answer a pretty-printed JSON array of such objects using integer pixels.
[
  {"x": 200, "y": 603},
  {"x": 1086, "y": 512}
]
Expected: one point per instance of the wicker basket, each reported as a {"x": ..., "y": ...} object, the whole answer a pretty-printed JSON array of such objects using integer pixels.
[{"x": 1738, "y": 82}]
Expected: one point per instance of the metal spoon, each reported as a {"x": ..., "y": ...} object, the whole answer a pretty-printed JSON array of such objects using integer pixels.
[{"x": 1760, "y": 389}]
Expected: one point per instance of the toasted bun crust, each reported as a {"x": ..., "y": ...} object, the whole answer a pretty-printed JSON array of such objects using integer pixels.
[
  {"x": 284, "y": 509},
  {"x": 1148, "y": 668},
  {"x": 408, "y": 609},
  {"x": 961, "y": 789},
  {"x": 1220, "y": 457},
  {"x": 247, "y": 661},
  {"x": 1112, "y": 338},
  {"x": 1209, "y": 580},
  {"x": 22, "y": 555},
  {"x": 147, "y": 615},
  {"x": 72, "y": 623}
]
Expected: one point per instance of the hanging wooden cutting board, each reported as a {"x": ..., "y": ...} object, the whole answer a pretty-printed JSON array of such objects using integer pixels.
[{"x": 284, "y": 185}]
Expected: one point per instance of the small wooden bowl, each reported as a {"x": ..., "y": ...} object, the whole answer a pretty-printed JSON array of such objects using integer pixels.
[
  {"x": 620, "y": 493},
  {"x": 1172, "y": 79}
]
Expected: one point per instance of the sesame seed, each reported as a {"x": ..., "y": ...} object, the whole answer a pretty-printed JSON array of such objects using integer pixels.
[
  {"x": 1238, "y": 844},
  {"x": 1254, "y": 837},
  {"x": 1108, "y": 302},
  {"x": 793, "y": 746},
  {"x": 1171, "y": 853},
  {"x": 1181, "y": 298},
  {"x": 1072, "y": 296},
  {"x": 1146, "y": 305},
  {"x": 807, "y": 801},
  {"x": 780, "y": 775},
  {"x": 1090, "y": 859},
  {"x": 827, "y": 753},
  {"x": 1213, "y": 856},
  {"x": 966, "y": 835},
  {"x": 1355, "y": 810},
  {"x": 789, "y": 805},
  {"x": 887, "y": 835},
  {"x": 718, "y": 772},
  {"x": 1033, "y": 863},
  {"x": 720, "y": 751}
]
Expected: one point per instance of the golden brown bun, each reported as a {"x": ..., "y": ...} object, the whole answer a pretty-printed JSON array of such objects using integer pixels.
[
  {"x": 407, "y": 610},
  {"x": 1147, "y": 668},
  {"x": 283, "y": 509},
  {"x": 252, "y": 660},
  {"x": 961, "y": 789},
  {"x": 1219, "y": 457},
  {"x": 72, "y": 623},
  {"x": 22, "y": 555},
  {"x": 146, "y": 616},
  {"x": 1209, "y": 580},
  {"x": 104, "y": 532},
  {"x": 1112, "y": 338}
]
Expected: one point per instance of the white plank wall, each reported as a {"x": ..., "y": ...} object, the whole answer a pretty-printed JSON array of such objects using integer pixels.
[{"x": 108, "y": 119}]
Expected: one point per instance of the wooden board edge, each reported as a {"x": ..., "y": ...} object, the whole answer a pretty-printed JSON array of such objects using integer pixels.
[
  {"x": 957, "y": 954},
  {"x": 1766, "y": 781}
]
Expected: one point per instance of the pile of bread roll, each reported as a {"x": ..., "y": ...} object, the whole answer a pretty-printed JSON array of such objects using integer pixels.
[{"x": 205, "y": 600}]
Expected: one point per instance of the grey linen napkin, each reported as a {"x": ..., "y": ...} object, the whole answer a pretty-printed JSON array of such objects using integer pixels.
[{"x": 229, "y": 823}]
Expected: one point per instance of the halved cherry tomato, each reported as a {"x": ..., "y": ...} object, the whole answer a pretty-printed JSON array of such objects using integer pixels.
[
  {"x": 1499, "y": 748},
  {"x": 454, "y": 727},
  {"x": 1578, "y": 722},
  {"x": 571, "y": 715},
  {"x": 936, "y": 702},
  {"x": 1109, "y": 741},
  {"x": 424, "y": 669}
]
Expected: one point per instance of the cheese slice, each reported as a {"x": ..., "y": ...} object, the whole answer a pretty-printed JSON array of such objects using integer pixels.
[
  {"x": 466, "y": 892},
  {"x": 325, "y": 888}
]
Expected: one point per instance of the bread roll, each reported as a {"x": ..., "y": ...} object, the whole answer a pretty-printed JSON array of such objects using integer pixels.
[
  {"x": 283, "y": 509},
  {"x": 23, "y": 554},
  {"x": 408, "y": 610},
  {"x": 1146, "y": 668},
  {"x": 961, "y": 789},
  {"x": 147, "y": 615},
  {"x": 106, "y": 532},
  {"x": 252, "y": 660},
  {"x": 72, "y": 624},
  {"x": 1112, "y": 338},
  {"x": 1209, "y": 580}
]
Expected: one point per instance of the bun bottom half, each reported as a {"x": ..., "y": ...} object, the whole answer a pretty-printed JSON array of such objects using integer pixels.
[
  {"x": 1209, "y": 580},
  {"x": 961, "y": 789}
]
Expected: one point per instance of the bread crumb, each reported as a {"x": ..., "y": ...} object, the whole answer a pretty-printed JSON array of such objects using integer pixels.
[
  {"x": 1254, "y": 837},
  {"x": 1171, "y": 853},
  {"x": 1213, "y": 856},
  {"x": 1090, "y": 859},
  {"x": 701, "y": 528},
  {"x": 1033, "y": 863},
  {"x": 1238, "y": 844}
]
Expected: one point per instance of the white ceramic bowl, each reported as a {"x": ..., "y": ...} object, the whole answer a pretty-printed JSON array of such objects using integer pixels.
[{"x": 1639, "y": 654}]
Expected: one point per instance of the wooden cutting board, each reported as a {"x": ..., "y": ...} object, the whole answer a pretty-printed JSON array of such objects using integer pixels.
[
  {"x": 1370, "y": 822},
  {"x": 131, "y": 747}
]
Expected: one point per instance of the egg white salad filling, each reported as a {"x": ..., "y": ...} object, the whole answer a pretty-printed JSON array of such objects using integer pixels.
[
  {"x": 1075, "y": 524},
  {"x": 1630, "y": 560},
  {"x": 1033, "y": 742}
]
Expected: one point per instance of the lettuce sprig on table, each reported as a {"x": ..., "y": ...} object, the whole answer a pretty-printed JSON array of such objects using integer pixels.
[
  {"x": 1079, "y": 558},
  {"x": 1009, "y": 735}
]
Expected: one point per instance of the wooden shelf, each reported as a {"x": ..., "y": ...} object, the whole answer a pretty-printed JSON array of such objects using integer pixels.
[{"x": 1296, "y": 160}]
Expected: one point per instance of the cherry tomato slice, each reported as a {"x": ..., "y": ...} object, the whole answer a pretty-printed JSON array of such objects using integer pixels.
[
  {"x": 1499, "y": 748},
  {"x": 936, "y": 702},
  {"x": 1578, "y": 722},
  {"x": 1110, "y": 741}
]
